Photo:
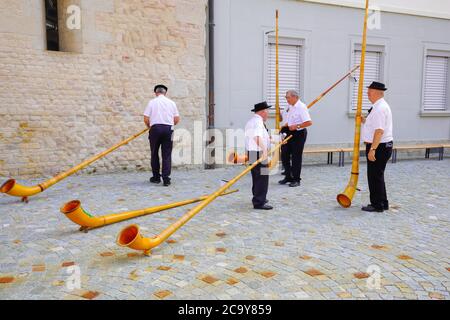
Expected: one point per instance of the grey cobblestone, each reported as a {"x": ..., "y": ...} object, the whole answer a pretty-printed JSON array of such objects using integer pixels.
[{"x": 306, "y": 230}]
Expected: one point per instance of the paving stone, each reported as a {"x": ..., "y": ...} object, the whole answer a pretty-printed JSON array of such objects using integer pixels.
[
  {"x": 6, "y": 279},
  {"x": 361, "y": 275},
  {"x": 308, "y": 233},
  {"x": 314, "y": 273},
  {"x": 38, "y": 268},
  {"x": 164, "y": 268},
  {"x": 67, "y": 264},
  {"x": 241, "y": 270},
  {"x": 209, "y": 279},
  {"x": 436, "y": 296},
  {"x": 90, "y": 295},
  {"x": 267, "y": 274},
  {"x": 163, "y": 294},
  {"x": 232, "y": 281}
]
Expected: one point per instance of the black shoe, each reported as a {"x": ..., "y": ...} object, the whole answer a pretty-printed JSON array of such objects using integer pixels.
[
  {"x": 285, "y": 181},
  {"x": 386, "y": 207},
  {"x": 267, "y": 201},
  {"x": 294, "y": 184},
  {"x": 263, "y": 207},
  {"x": 155, "y": 180},
  {"x": 166, "y": 182},
  {"x": 370, "y": 208},
  {"x": 283, "y": 173}
]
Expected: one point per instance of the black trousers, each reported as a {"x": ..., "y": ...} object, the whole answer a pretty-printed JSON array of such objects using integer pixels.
[
  {"x": 160, "y": 136},
  {"x": 375, "y": 174},
  {"x": 284, "y": 148},
  {"x": 260, "y": 180},
  {"x": 293, "y": 156}
]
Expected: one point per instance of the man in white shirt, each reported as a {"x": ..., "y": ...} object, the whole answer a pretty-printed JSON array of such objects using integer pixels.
[
  {"x": 257, "y": 144},
  {"x": 298, "y": 119},
  {"x": 161, "y": 115},
  {"x": 378, "y": 138}
]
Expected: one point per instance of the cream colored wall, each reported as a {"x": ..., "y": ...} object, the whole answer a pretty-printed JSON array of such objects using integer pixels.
[{"x": 59, "y": 108}]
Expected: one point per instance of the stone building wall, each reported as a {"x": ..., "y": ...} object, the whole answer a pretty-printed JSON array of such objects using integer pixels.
[{"x": 59, "y": 108}]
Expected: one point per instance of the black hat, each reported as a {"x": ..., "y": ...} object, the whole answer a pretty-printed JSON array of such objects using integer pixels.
[
  {"x": 377, "y": 86},
  {"x": 261, "y": 106},
  {"x": 160, "y": 86}
]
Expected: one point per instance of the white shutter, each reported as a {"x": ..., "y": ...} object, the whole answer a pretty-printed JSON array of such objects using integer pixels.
[
  {"x": 289, "y": 72},
  {"x": 436, "y": 83},
  {"x": 372, "y": 73}
]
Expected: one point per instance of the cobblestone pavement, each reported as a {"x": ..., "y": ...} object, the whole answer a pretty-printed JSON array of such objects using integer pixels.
[{"x": 307, "y": 248}]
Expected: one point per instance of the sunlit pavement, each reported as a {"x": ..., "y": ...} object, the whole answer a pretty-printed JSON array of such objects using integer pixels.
[{"x": 306, "y": 248}]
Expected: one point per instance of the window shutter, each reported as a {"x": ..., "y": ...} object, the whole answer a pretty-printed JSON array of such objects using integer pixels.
[
  {"x": 289, "y": 72},
  {"x": 436, "y": 83},
  {"x": 372, "y": 73}
]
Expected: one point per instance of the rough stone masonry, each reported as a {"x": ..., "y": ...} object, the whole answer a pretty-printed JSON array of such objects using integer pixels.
[{"x": 59, "y": 108}]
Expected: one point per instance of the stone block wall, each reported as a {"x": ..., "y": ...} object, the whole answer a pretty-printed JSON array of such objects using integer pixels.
[{"x": 59, "y": 108}]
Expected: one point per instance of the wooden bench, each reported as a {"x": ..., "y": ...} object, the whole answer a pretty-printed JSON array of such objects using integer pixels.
[
  {"x": 329, "y": 151},
  {"x": 429, "y": 148}
]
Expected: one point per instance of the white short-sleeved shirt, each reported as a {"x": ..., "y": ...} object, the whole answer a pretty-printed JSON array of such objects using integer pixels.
[
  {"x": 379, "y": 118},
  {"x": 255, "y": 128},
  {"x": 161, "y": 110},
  {"x": 298, "y": 114}
]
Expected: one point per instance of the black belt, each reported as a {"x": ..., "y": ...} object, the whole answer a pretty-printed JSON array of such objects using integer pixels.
[
  {"x": 161, "y": 125},
  {"x": 284, "y": 130},
  {"x": 389, "y": 144},
  {"x": 296, "y": 132}
]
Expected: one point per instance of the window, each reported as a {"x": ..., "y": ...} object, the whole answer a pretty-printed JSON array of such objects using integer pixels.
[
  {"x": 436, "y": 86},
  {"x": 51, "y": 23},
  {"x": 372, "y": 72},
  {"x": 63, "y": 25},
  {"x": 290, "y": 69}
]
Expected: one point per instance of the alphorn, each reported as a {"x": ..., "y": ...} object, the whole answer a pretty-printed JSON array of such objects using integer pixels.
[
  {"x": 132, "y": 238},
  {"x": 234, "y": 158},
  {"x": 277, "y": 77},
  {"x": 345, "y": 198},
  {"x": 276, "y": 157},
  {"x": 12, "y": 188},
  {"x": 75, "y": 212}
]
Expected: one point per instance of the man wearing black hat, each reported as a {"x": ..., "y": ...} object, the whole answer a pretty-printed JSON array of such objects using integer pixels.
[
  {"x": 378, "y": 138},
  {"x": 161, "y": 115},
  {"x": 257, "y": 144}
]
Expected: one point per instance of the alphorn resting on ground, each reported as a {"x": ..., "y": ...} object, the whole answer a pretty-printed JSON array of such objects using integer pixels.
[
  {"x": 75, "y": 212},
  {"x": 12, "y": 188}
]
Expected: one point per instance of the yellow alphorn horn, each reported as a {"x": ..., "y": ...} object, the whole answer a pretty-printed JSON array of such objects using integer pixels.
[
  {"x": 131, "y": 237},
  {"x": 234, "y": 158},
  {"x": 12, "y": 188},
  {"x": 345, "y": 198},
  {"x": 75, "y": 212},
  {"x": 276, "y": 156},
  {"x": 277, "y": 77}
]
